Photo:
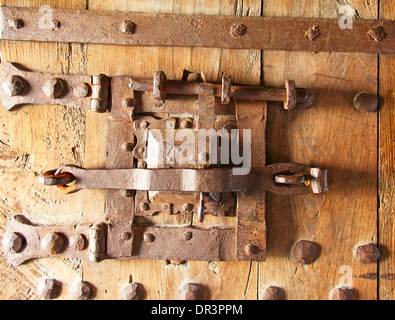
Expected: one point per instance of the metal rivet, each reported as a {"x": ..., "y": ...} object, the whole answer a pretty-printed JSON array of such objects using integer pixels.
[
  {"x": 377, "y": 33},
  {"x": 49, "y": 289},
  {"x": 13, "y": 242},
  {"x": 187, "y": 235},
  {"x": 367, "y": 253},
  {"x": 273, "y": 293},
  {"x": 187, "y": 207},
  {"x": 52, "y": 243},
  {"x": 304, "y": 252},
  {"x": 128, "y": 102},
  {"x": 141, "y": 164},
  {"x": 132, "y": 291},
  {"x": 141, "y": 150},
  {"x": 127, "y": 27},
  {"x": 53, "y": 88},
  {"x": 81, "y": 90},
  {"x": 149, "y": 237},
  {"x": 13, "y": 86},
  {"x": 80, "y": 290},
  {"x": 126, "y": 236},
  {"x": 237, "y": 30},
  {"x": 192, "y": 291},
  {"x": 342, "y": 293},
  {"x": 127, "y": 147},
  {"x": 251, "y": 250},
  {"x": 16, "y": 23},
  {"x": 77, "y": 242},
  {"x": 313, "y": 33},
  {"x": 126, "y": 193},
  {"x": 144, "y": 206},
  {"x": 366, "y": 102}
]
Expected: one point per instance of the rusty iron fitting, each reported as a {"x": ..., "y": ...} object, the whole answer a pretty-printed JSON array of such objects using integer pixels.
[
  {"x": 97, "y": 241},
  {"x": 54, "y": 88},
  {"x": 273, "y": 293},
  {"x": 13, "y": 86},
  {"x": 192, "y": 291},
  {"x": 366, "y": 102},
  {"x": 132, "y": 291},
  {"x": 367, "y": 253},
  {"x": 100, "y": 93},
  {"x": 291, "y": 96},
  {"x": 53, "y": 243},
  {"x": 50, "y": 288},
  {"x": 342, "y": 293},
  {"x": 13, "y": 242},
  {"x": 53, "y": 178},
  {"x": 80, "y": 290}
]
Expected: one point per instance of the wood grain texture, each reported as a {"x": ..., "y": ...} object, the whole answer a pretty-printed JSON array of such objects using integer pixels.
[
  {"x": 35, "y": 139},
  {"x": 331, "y": 134},
  {"x": 386, "y": 226}
]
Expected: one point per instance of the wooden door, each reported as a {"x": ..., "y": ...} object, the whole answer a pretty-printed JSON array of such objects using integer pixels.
[{"x": 357, "y": 148}]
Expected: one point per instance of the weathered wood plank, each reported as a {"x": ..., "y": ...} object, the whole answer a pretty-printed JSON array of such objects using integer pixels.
[
  {"x": 160, "y": 279},
  {"x": 34, "y": 140},
  {"x": 386, "y": 226},
  {"x": 330, "y": 134}
]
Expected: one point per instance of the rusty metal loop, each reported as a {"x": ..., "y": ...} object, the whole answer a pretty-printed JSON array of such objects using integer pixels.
[
  {"x": 290, "y": 179},
  {"x": 54, "y": 178}
]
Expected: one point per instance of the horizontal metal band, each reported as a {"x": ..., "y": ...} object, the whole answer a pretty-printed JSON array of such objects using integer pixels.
[
  {"x": 143, "y": 29},
  {"x": 199, "y": 180}
]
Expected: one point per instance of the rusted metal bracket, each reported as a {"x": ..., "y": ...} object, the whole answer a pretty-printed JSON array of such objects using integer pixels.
[
  {"x": 143, "y": 113},
  {"x": 279, "y": 178},
  {"x": 20, "y": 87},
  {"x": 143, "y": 29}
]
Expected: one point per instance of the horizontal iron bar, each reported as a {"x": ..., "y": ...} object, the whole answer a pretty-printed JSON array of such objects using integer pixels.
[
  {"x": 146, "y": 29},
  {"x": 198, "y": 180}
]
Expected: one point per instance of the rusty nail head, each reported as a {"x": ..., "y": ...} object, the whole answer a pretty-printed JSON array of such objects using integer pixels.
[
  {"x": 13, "y": 86},
  {"x": 141, "y": 150},
  {"x": 187, "y": 235},
  {"x": 366, "y": 102},
  {"x": 132, "y": 291},
  {"x": 53, "y": 88},
  {"x": 192, "y": 291},
  {"x": 313, "y": 33},
  {"x": 127, "y": 147},
  {"x": 126, "y": 236},
  {"x": 273, "y": 293},
  {"x": 128, "y": 102},
  {"x": 126, "y": 193},
  {"x": 81, "y": 90},
  {"x": 187, "y": 207},
  {"x": 251, "y": 250},
  {"x": 237, "y": 30},
  {"x": 13, "y": 242},
  {"x": 141, "y": 164},
  {"x": 77, "y": 242},
  {"x": 304, "y": 252},
  {"x": 377, "y": 33},
  {"x": 368, "y": 253},
  {"x": 80, "y": 290},
  {"x": 50, "y": 289},
  {"x": 342, "y": 293},
  {"x": 52, "y": 243},
  {"x": 127, "y": 27},
  {"x": 144, "y": 206},
  {"x": 16, "y": 23},
  {"x": 149, "y": 237}
]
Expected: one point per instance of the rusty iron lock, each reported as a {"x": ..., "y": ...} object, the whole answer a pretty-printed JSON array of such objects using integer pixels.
[{"x": 143, "y": 129}]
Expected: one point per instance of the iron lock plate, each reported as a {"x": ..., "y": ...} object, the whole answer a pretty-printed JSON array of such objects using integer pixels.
[{"x": 138, "y": 187}]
